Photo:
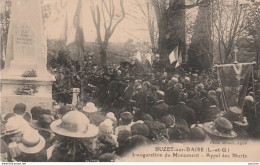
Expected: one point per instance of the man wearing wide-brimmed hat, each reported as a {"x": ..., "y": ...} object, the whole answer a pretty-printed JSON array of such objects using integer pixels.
[
  {"x": 32, "y": 147},
  {"x": 220, "y": 129},
  {"x": 72, "y": 129}
]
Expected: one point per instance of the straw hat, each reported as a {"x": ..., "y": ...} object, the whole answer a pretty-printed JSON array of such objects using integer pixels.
[
  {"x": 12, "y": 127},
  {"x": 32, "y": 142},
  {"x": 90, "y": 108},
  {"x": 74, "y": 124},
  {"x": 221, "y": 127}
]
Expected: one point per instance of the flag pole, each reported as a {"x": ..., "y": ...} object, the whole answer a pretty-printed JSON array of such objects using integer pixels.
[{"x": 253, "y": 86}]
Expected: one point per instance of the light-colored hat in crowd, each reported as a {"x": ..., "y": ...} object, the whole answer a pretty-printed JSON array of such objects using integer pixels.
[
  {"x": 212, "y": 93},
  {"x": 174, "y": 79},
  {"x": 187, "y": 79},
  {"x": 19, "y": 120},
  {"x": 13, "y": 127},
  {"x": 74, "y": 124},
  {"x": 106, "y": 127},
  {"x": 249, "y": 98},
  {"x": 199, "y": 86},
  {"x": 146, "y": 84},
  {"x": 111, "y": 116},
  {"x": 32, "y": 142},
  {"x": 219, "y": 90},
  {"x": 176, "y": 75},
  {"x": 165, "y": 73},
  {"x": 178, "y": 86},
  {"x": 90, "y": 108}
]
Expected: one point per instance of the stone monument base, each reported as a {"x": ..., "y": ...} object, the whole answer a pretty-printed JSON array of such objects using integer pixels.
[{"x": 32, "y": 91}]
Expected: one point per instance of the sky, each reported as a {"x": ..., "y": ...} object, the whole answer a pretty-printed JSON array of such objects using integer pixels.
[{"x": 132, "y": 27}]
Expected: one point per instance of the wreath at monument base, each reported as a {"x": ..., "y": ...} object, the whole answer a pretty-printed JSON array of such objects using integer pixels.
[
  {"x": 30, "y": 73},
  {"x": 26, "y": 90}
]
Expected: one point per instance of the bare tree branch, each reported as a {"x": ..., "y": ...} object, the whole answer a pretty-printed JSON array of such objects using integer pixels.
[{"x": 121, "y": 19}]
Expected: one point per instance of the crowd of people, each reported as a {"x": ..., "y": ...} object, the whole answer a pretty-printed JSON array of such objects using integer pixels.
[{"x": 125, "y": 109}]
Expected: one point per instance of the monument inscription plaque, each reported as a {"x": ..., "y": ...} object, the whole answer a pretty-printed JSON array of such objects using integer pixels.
[{"x": 24, "y": 42}]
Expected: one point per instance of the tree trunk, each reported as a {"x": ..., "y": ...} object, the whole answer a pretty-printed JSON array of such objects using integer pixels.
[
  {"x": 171, "y": 33},
  {"x": 103, "y": 56},
  {"x": 200, "y": 50},
  {"x": 103, "y": 53},
  {"x": 163, "y": 30}
]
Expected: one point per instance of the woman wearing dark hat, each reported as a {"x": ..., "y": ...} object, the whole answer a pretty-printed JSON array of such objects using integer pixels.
[{"x": 36, "y": 111}]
